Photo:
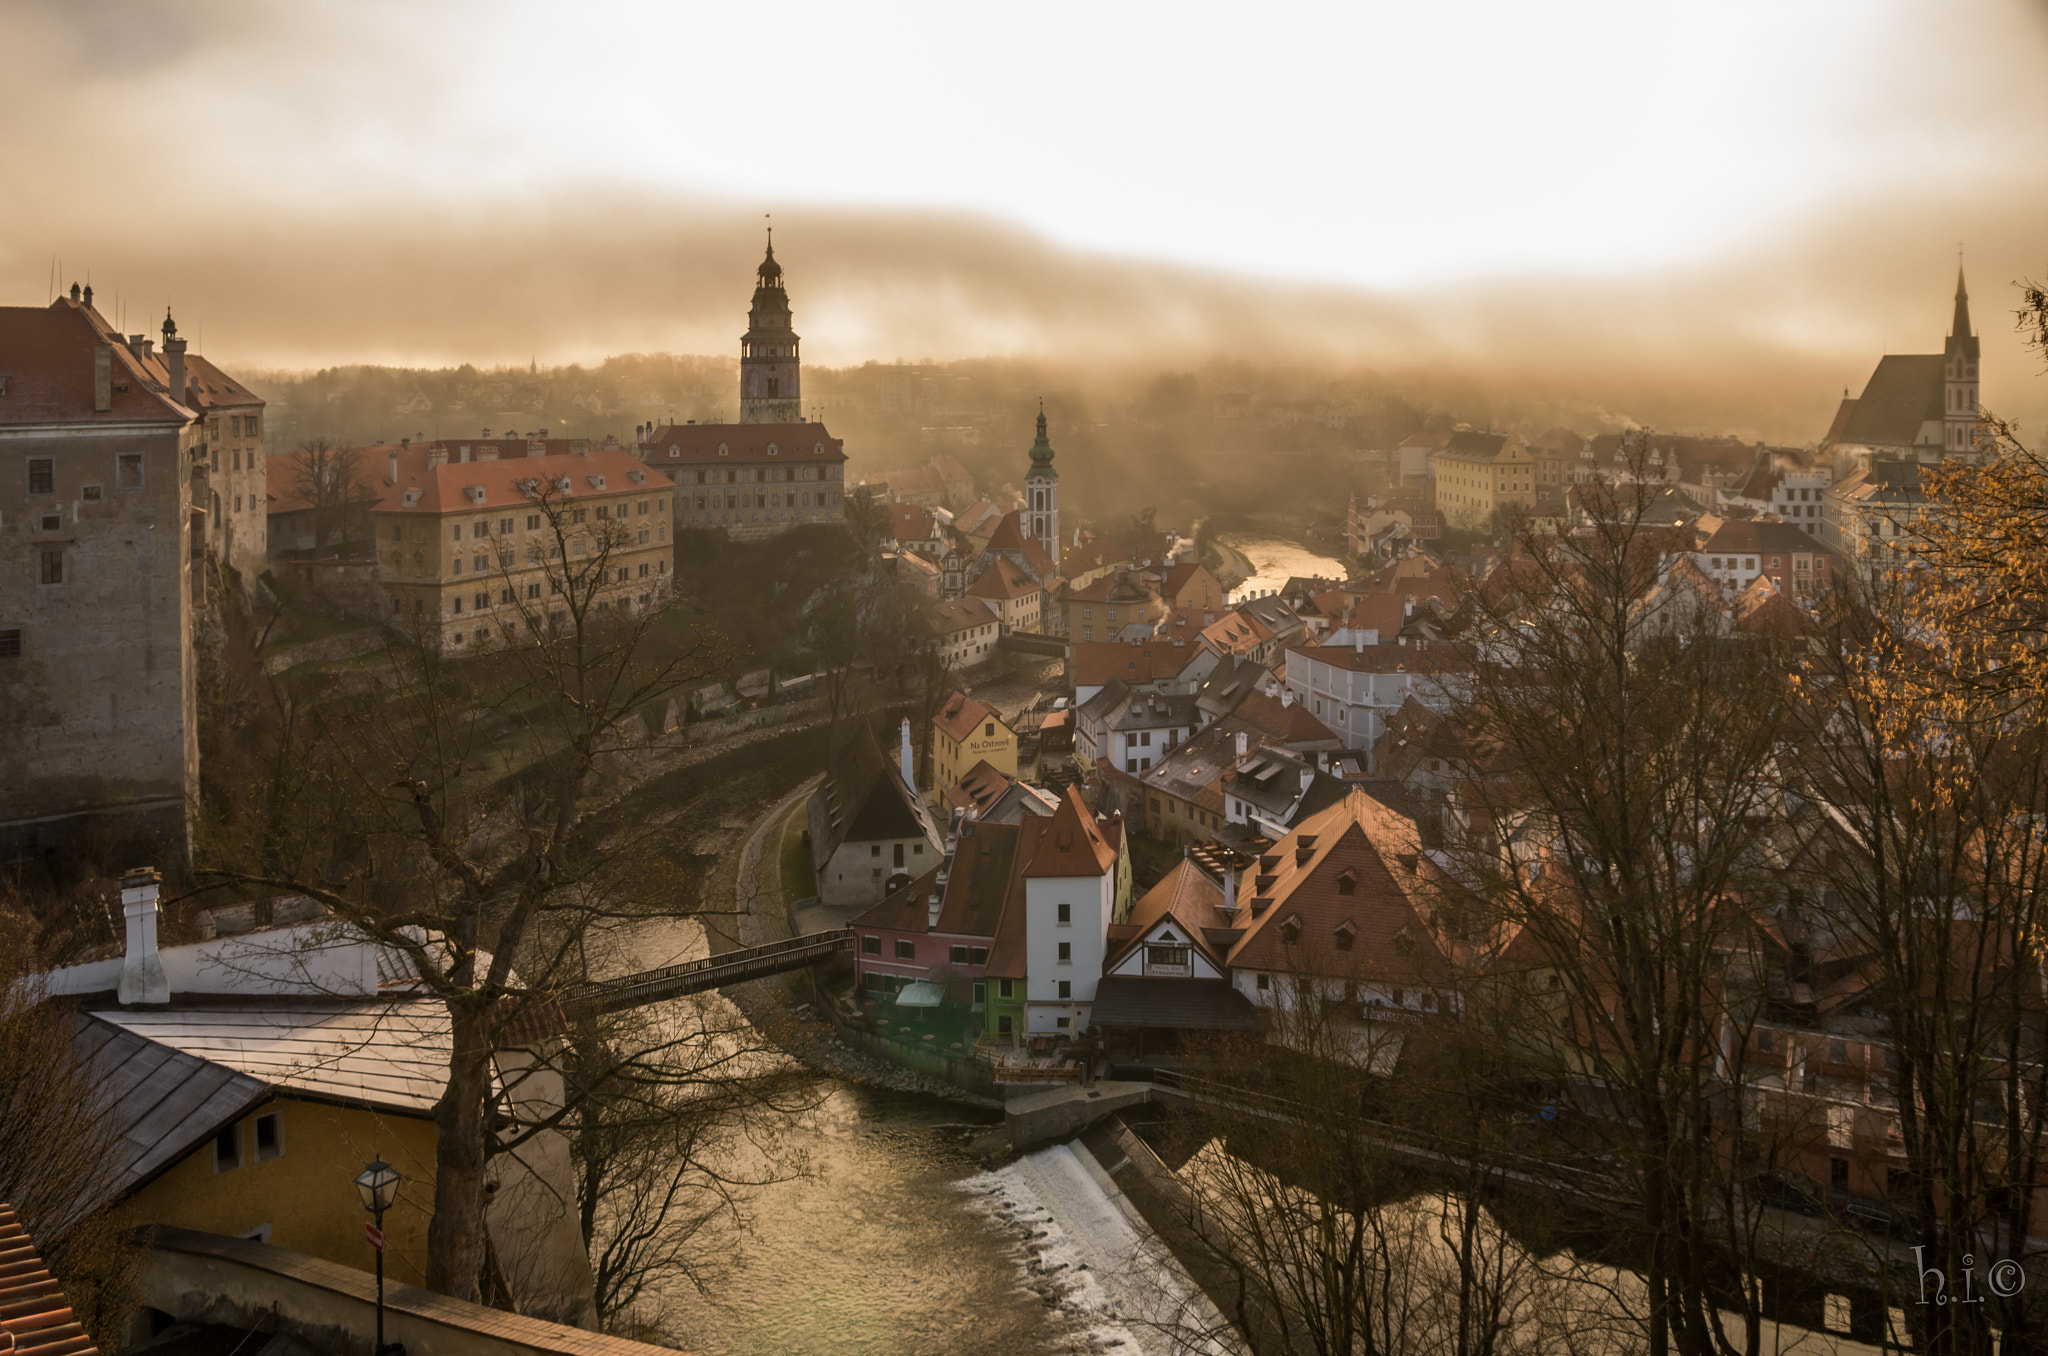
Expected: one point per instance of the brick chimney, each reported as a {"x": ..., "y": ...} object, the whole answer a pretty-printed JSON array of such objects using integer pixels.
[{"x": 142, "y": 970}]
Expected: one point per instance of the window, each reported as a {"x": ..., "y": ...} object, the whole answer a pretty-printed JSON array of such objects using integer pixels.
[
  {"x": 90, "y": 493},
  {"x": 1064, "y": 1023},
  {"x": 957, "y": 954},
  {"x": 875, "y": 850},
  {"x": 42, "y": 475},
  {"x": 1066, "y": 988},
  {"x": 1004, "y": 988},
  {"x": 128, "y": 471},
  {"x": 1763, "y": 1041},
  {"x": 899, "y": 855},
  {"x": 1066, "y": 953},
  {"x": 269, "y": 1136},
  {"x": 1838, "y": 1052},
  {"x": 1265, "y": 982},
  {"x": 227, "y": 1149},
  {"x": 1066, "y": 913},
  {"x": 871, "y": 946},
  {"x": 1166, "y": 955},
  {"x": 50, "y": 564},
  {"x": 1344, "y": 938},
  {"x": 906, "y": 949}
]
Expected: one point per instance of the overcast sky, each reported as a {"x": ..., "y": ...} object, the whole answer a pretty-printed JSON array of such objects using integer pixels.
[{"x": 402, "y": 180}]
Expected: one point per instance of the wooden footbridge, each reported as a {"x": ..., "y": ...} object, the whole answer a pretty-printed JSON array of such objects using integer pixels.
[{"x": 713, "y": 972}]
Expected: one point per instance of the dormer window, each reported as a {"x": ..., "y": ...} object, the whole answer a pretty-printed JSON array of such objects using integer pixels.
[
  {"x": 475, "y": 493},
  {"x": 637, "y": 477},
  {"x": 773, "y": 449},
  {"x": 596, "y": 482},
  {"x": 817, "y": 449},
  {"x": 412, "y": 498},
  {"x": 723, "y": 450},
  {"x": 1290, "y": 929},
  {"x": 1347, "y": 884},
  {"x": 1346, "y": 935}
]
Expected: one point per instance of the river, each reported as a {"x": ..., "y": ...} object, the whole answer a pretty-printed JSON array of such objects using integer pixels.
[
  {"x": 1275, "y": 560},
  {"x": 898, "y": 1241}
]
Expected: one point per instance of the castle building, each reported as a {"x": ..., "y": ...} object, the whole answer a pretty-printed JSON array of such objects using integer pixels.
[
  {"x": 772, "y": 470},
  {"x": 101, "y": 523},
  {"x": 770, "y": 384}
]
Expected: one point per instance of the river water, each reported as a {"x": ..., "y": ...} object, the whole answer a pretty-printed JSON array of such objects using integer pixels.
[
  {"x": 896, "y": 1240},
  {"x": 1275, "y": 560}
]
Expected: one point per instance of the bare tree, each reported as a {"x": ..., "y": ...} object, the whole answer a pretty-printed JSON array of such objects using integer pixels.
[
  {"x": 405, "y": 824},
  {"x": 60, "y": 1146},
  {"x": 330, "y": 480},
  {"x": 1622, "y": 838}
]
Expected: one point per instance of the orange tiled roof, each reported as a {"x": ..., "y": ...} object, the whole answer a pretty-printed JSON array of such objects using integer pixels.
[
  {"x": 447, "y": 488},
  {"x": 34, "y": 1315},
  {"x": 961, "y": 714},
  {"x": 690, "y": 444},
  {"x": 1071, "y": 844}
]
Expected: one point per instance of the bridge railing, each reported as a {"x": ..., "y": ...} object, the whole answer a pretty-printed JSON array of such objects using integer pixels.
[{"x": 614, "y": 990}]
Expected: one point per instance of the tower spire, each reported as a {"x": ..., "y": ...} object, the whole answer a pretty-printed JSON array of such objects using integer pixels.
[{"x": 1959, "y": 328}]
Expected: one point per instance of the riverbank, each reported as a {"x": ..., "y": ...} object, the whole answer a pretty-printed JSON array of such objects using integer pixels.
[{"x": 786, "y": 1009}]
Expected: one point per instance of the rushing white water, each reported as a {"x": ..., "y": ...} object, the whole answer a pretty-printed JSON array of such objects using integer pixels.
[
  {"x": 1275, "y": 560},
  {"x": 1087, "y": 1248}
]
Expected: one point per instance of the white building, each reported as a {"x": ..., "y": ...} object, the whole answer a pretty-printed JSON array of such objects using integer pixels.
[
  {"x": 1069, "y": 899},
  {"x": 1355, "y": 687}
]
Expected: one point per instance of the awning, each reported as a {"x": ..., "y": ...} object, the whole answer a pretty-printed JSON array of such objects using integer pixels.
[
  {"x": 1179, "y": 1004},
  {"x": 920, "y": 993}
]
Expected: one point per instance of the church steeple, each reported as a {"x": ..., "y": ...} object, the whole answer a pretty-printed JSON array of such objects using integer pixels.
[
  {"x": 770, "y": 375},
  {"x": 1042, "y": 494},
  {"x": 1960, "y": 417}
]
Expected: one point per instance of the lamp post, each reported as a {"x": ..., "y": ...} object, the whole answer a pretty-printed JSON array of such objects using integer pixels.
[{"x": 378, "y": 1186}]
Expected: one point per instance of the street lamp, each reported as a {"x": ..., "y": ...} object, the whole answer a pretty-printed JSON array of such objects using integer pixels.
[{"x": 378, "y": 1186}]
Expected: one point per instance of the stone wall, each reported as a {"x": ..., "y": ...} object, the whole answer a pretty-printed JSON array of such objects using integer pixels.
[
  {"x": 96, "y": 676},
  {"x": 238, "y": 1282}
]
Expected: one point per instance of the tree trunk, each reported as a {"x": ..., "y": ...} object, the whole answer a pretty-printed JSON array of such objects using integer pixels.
[{"x": 455, "y": 1236}]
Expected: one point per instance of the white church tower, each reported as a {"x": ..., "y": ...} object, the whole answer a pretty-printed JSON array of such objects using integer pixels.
[{"x": 1042, "y": 495}]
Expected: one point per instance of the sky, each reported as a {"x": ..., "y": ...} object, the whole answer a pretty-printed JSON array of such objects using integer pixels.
[{"x": 1736, "y": 193}]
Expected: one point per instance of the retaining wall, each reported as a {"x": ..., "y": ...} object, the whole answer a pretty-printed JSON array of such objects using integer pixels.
[{"x": 238, "y": 1282}]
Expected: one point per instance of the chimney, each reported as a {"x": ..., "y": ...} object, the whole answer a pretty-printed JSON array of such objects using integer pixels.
[
  {"x": 102, "y": 377},
  {"x": 393, "y": 480},
  {"x": 437, "y": 456},
  {"x": 909, "y": 766},
  {"x": 1308, "y": 779},
  {"x": 1244, "y": 743},
  {"x": 1358, "y": 642},
  {"x": 88, "y": 294},
  {"x": 142, "y": 970},
  {"x": 1230, "y": 890},
  {"x": 174, "y": 360}
]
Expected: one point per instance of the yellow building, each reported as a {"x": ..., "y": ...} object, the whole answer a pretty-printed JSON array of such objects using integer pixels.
[
  {"x": 966, "y": 732},
  {"x": 1478, "y": 473},
  {"x": 472, "y": 549}
]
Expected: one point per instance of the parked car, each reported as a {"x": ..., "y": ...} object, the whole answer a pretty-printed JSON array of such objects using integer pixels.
[
  {"x": 1894, "y": 1219},
  {"x": 1788, "y": 1190}
]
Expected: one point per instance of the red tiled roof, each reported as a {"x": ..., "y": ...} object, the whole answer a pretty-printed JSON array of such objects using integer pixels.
[
  {"x": 961, "y": 714},
  {"x": 694, "y": 443},
  {"x": 1009, "y": 536},
  {"x": 46, "y": 358},
  {"x": 34, "y": 1315},
  {"x": 207, "y": 388},
  {"x": 1288, "y": 722},
  {"x": 1004, "y": 578},
  {"x": 1386, "y": 906},
  {"x": 445, "y": 488},
  {"x": 1092, "y": 554},
  {"x": 957, "y": 614},
  {"x": 909, "y": 522},
  {"x": 1097, "y": 662},
  {"x": 1071, "y": 844}
]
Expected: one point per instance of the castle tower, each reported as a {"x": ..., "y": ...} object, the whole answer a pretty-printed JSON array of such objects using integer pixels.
[
  {"x": 769, "y": 392},
  {"x": 1042, "y": 495},
  {"x": 1959, "y": 378}
]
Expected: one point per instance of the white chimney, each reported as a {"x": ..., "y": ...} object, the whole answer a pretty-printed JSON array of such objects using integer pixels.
[
  {"x": 909, "y": 765},
  {"x": 1358, "y": 642},
  {"x": 1244, "y": 743},
  {"x": 142, "y": 970},
  {"x": 1308, "y": 778},
  {"x": 394, "y": 466},
  {"x": 1230, "y": 890}
]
